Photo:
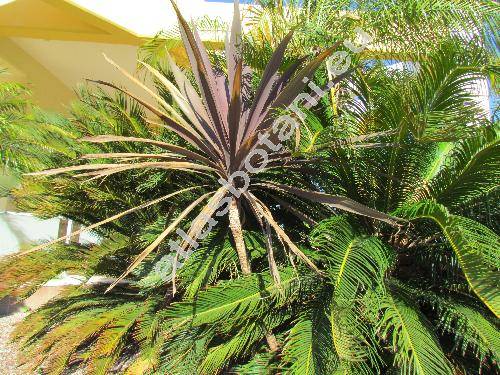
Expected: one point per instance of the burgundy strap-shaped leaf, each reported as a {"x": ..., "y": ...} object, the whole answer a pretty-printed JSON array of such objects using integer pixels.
[
  {"x": 291, "y": 88},
  {"x": 281, "y": 82},
  {"x": 195, "y": 102},
  {"x": 205, "y": 76},
  {"x": 188, "y": 110},
  {"x": 265, "y": 126},
  {"x": 235, "y": 112},
  {"x": 167, "y": 146},
  {"x": 297, "y": 84},
  {"x": 337, "y": 201},
  {"x": 266, "y": 84},
  {"x": 233, "y": 44},
  {"x": 189, "y": 136},
  {"x": 218, "y": 86}
]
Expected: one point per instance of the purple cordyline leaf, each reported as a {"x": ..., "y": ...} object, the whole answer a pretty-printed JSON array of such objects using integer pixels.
[
  {"x": 285, "y": 98},
  {"x": 207, "y": 92},
  {"x": 219, "y": 87},
  {"x": 222, "y": 82},
  {"x": 340, "y": 202},
  {"x": 186, "y": 108},
  {"x": 280, "y": 83},
  {"x": 189, "y": 92},
  {"x": 189, "y": 136},
  {"x": 205, "y": 76},
  {"x": 265, "y": 126},
  {"x": 266, "y": 84},
  {"x": 259, "y": 106},
  {"x": 196, "y": 104},
  {"x": 233, "y": 44},
  {"x": 297, "y": 84},
  {"x": 131, "y": 155},
  {"x": 275, "y": 89},
  {"x": 234, "y": 116},
  {"x": 167, "y": 146}
]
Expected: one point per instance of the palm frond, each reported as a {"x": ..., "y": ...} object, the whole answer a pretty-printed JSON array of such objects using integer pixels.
[
  {"x": 475, "y": 246},
  {"x": 416, "y": 348}
]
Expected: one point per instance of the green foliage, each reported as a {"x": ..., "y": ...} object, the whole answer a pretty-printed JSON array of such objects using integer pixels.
[
  {"x": 27, "y": 133},
  {"x": 415, "y": 345},
  {"x": 475, "y": 245},
  {"x": 309, "y": 347},
  {"x": 83, "y": 328},
  {"x": 419, "y": 297}
]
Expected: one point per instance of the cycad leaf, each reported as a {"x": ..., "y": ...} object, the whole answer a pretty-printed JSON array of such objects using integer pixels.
[
  {"x": 469, "y": 325},
  {"x": 471, "y": 171},
  {"x": 205, "y": 264},
  {"x": 309, "y": 345},
  {"x": 477, "y": 249},
  {"x": 234, "y": 299},
  {"x": 220, "y": 356},
  {"x": 353, "y": 260},
  {"x": 416, "y": 348}
]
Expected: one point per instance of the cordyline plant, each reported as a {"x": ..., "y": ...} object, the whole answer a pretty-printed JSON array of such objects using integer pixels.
[{"x": 221, "y": 130}]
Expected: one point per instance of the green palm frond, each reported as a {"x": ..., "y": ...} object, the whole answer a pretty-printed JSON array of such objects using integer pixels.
[
  {"x": 415, "y": 346},
  {"x": 84, "y": 329},
  {"x": 475, "y": 245},
  {"x": 309, "y": 347},
  {"x": 21, "y": 276},
  {"x": 232, "y": 300},
  {"x": 442, "y": 104},
  {"x": 239, "y": 345},
  {"x": 469, "y": 325},
  {"x": 471, "y": 171},
  {"x": 353, "y": 339},
  {"x": 206, "y": 264},
  {"x": 182, "y": 354},
  {"x": 260, "y": 364},
  {"x": 221, "y": 355},
  {"x": 354, "y": 261}
]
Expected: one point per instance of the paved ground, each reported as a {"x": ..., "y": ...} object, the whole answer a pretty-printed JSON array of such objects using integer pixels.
[{"x": 8, "y": 351}]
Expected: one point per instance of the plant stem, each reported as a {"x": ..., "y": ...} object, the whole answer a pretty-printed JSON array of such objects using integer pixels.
[{"x": 237, "y": 232}]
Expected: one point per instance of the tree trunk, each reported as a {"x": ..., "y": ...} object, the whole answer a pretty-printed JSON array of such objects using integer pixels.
[{"x": 237, "y": 232}]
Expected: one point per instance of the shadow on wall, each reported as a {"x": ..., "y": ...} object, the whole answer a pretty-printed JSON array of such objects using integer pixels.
[{"x": 20, "y": 229}]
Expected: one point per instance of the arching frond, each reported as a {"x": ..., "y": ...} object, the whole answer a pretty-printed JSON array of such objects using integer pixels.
[
  {"x": 309, "y": 347},
  {"x": 354, "y": 261},
  {"x": 232, "y": 300},
  {"x": 472, "y": 170},
  {"x": 475, "y": 245},
  {"x": 470, "y": 327},
  {"x": 416, "y": 348},
  {"x": 83, "y": 330}
]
